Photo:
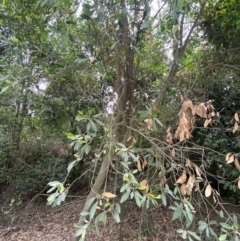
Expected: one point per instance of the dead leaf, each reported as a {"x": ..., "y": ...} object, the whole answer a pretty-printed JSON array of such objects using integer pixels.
[
  {"x": 144, "y": 182},
  {"x": 144, "y": 164},
  {"x": 169, "y": 138},
  {"x": 231, "y": 159},
  {"x": 197, "y": 187},
  {"x": 190, "y": 184},
  {"x": 188, "y": 163},
  {"x": 212, "y": 114},
  {"x": 173, "y": 153},
  {"x": 227, "y": 156},
  {"x": 214, "y": 199},
  {"x": 208, "y": 191},
  {"x": 182, "y": 178},
  {"x": 139, "y": 167},
  {"x": 236, "y": 163},
  {"x": 183, "y": 189},
  {"x": 198, "y": 170},
  {"x": 236, "y": 117},
  {"x": 108, "y": 195},
  {"x": 235, "y": 127},
  {"x": 187, "y": 104},
  {"x": 207, "y": 122},
  {"x": 168, "y": 129},
  {"x": 149, "y": 123}
]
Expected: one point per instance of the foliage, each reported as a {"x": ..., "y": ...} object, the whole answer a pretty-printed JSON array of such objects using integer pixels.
[
  {"x": 150, "y": 116},
  {"x": 221, "y": 23}
]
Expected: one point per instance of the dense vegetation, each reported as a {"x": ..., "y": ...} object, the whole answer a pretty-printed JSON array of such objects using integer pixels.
[{"x": 135, "y": 99}]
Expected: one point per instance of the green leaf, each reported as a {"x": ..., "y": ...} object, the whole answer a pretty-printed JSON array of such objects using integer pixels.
[
  {"x": 93, "y": 126},
  {"x": 125, "y": 165},
  {"x": 193, "y": 234},
  {"x": 54, "y": 183},
  {"x": 202, "y": 225},
  {"x": 125, "y": 196},
  {"x": 137, "y": 198},
  {"x": 184, "y": 234},
  {"x": 118, "y": 207},
  {"x": 116, "y": 216},
  {"x": 133, "y": 156},
  {"x": 69, "y": 135},
  {"x": 235, "y": 221},
  {"x": 124, "y": 187},
  {"x": 89, "y": 203},
  {"x": 146, "y": 6},
  {"x": 158, "y": 121},
  {"x": 71, "y": 165},
  {"x": 100, "y": 217},
  {"x": 84, "y": 213},
  {"x": 226, "y": 226},
  {"x": 81, "y": 230},
  {"x": 51, "y": 199},
  {"x": 4, "y": 89},
  {"x": 79, "y": 61},
  {"x": 178, "y": 212},
  {"x": 100, "y": 68},
  {"x": 144, "y": 25},
  {"x": 6, "y": 77},
  {"x": 71, "y": 38},
  {"x": 223, "y": 237},
  {"x": 93, "y": 210},
  {"x": 164, "y": 199}
]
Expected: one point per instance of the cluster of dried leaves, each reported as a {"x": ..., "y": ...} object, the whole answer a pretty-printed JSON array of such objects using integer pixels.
[{"x": 187, "y": 116}]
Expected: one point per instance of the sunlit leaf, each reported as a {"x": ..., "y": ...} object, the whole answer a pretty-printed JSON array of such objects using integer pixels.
[{"x": 108, "y": 195}]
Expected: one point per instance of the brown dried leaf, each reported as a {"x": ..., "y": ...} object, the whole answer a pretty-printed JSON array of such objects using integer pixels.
[
  {"x": 235, "y": 127},
  {"x": 230, "y": 159},
  {"x": 182, "y": 178},
  {"x": 183, "y": 189},
  {"x": 144, "y": 182},
  {"x": 207, "y": 122},
  {"x": 108, "y": 195},
  {"x": 182, "y": 98},
  {"x": 188, "y": 163},
  {"x": 169, "y": 138},
  {"x": 236, "y": 163},
  {"x": 236, "y": 117},
  {"x": 214, "y": 199},
  {"x": 200, "y": 110},
  {"x": 187, "y": 104},
  {"x": 139, "y": 167},
  {"x": 173, "y": 153},
  {"x": 197, "y": 187},
  {"x": 198, "y": 170},
  {"x": 149, "y": 123},
  {"x": 227, "y": 156},
  {"x": 181, "y": 136},
  {"x": 208, "y": 191},
  {"x": 190, "y": 184},
  {"x": 212, "y": 113},
  {"x": 144, "y": 164},
  {"x": 168, "y": 129}
]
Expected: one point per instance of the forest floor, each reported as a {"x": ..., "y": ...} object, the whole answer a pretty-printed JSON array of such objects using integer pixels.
[{"x": 34, "y": 221}]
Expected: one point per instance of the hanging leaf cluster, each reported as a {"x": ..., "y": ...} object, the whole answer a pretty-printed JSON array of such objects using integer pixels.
[{"x": 187, "y": 116}]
